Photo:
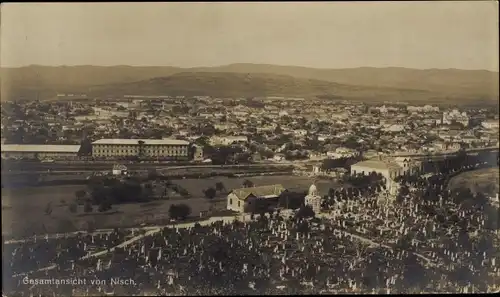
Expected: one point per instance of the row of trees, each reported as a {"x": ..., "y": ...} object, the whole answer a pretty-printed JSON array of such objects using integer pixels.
[
  {"x": 360, "y": 186},
  {"x": 132, "y": 189},
  {"x": 361, "y": 180},
  {"x": 221, "y": 155},
  {"x": 81, "y": 199},
  {"x": 303, "y": 212},
  {"x": 344, "y": 162},
  {"x": 435, "y": 189}
]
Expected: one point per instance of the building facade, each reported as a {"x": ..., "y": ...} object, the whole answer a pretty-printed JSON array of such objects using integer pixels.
[
  {"x": 490, "y": 124},
  {"x": 143, "y": 148},
  {"x": 227, "y": 140},
  {"x": 198, "y": 153},
  {"x": 254, "y": 198},
  {"x": 409, "y": 165},
  {"x": 40, "y": 151}
]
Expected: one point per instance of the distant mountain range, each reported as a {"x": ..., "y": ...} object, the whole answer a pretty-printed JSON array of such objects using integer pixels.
[{"x": 248, "y": 80}]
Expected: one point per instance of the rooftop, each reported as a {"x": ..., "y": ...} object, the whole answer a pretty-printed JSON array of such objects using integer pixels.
[
  {"x": 146, "y": 141},
  {"x": 378, "y": 164},
  {"x": 40, "y": 148},
  {"x": 268, "y": 191}
]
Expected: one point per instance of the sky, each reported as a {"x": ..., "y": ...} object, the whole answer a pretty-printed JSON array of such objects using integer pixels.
[{"x": 422, "y": 35}]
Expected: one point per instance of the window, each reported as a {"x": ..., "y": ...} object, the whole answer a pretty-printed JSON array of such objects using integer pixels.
[
  {"x": 230, "y": 201},
  {"x": 239, "y": 203}
]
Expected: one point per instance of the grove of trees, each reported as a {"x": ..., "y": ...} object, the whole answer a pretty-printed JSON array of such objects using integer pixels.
[{"x": 179, "y": 211}]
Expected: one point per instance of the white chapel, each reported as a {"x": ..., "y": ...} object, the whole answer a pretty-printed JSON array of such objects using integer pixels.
[{"x": 313, "y": 199}]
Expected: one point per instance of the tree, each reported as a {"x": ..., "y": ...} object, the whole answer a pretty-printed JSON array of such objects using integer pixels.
[
  {"x": 179, "y": 211},
  {"x": 210, "y": 193},
  {"x": 147, "y": 192},
  {"x": 73, "y": 207},
  {"x": 48, "y": 208},
  {"x": 105, "y": 205},
  {"x": 141, "y": 148},
  {"x": 85, "y": 148},
  {"x": 303, "y": 227},
  {"x": 278, "y": 130},
  {"x": 291, "y": 200},
  {"x": 219, "y": 186},
  {"x": 88, "y": 207},
  {"x": 80, "y": 194},
  {"x": 305, "y": 211},
  {"x": 331, "y": 193},
  {"x": 248, "y": 184}
]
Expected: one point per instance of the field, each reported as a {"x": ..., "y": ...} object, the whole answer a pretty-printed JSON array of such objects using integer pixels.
[
  {"x": 23, "y": 209},
  {"x": 483, "y": 180}
]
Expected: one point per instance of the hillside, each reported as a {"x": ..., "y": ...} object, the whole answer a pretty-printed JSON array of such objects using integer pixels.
[
  {"x": 449, "y": 81},
  {"x": 47, "y": 81},
  {"x": 484, "y": 180},
  {"x": 227, "y": 84},
  {"x": 440, "y": 83}
]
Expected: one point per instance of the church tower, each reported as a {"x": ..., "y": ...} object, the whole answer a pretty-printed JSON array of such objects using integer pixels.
[{"x": 313, "y": 199}]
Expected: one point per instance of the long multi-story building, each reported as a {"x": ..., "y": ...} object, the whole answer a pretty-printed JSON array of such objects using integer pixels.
[
  {"x": 173, "y": 149},
  {"x": 39, "y": 151}
]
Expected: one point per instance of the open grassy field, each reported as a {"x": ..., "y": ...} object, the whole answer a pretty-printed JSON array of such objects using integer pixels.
[
  {"x": 23, "y": 209},
  {"x": 482, "y": 180}
]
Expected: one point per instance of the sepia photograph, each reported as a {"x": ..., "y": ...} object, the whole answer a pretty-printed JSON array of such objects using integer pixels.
[{"x": 250, "y": 148}]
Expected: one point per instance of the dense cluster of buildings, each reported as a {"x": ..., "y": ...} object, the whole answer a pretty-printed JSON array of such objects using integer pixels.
[
  {"x": 280, "y": 127},
  {"x": 269, "y": 129}
]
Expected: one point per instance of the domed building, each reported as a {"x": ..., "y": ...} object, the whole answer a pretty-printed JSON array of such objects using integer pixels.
[{"x": 313, "y": 198}]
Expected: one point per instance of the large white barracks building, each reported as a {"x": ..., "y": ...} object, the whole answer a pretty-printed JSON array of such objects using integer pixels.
[{"x": 152, "y": 148}]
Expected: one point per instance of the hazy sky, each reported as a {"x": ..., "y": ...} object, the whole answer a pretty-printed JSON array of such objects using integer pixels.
[{"x": 460, "y": 35}]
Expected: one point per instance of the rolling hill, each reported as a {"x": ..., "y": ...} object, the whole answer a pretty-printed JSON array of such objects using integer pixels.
[
  {"x": 229, "y": 84},
  {"x": 249, "y": 79}
]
